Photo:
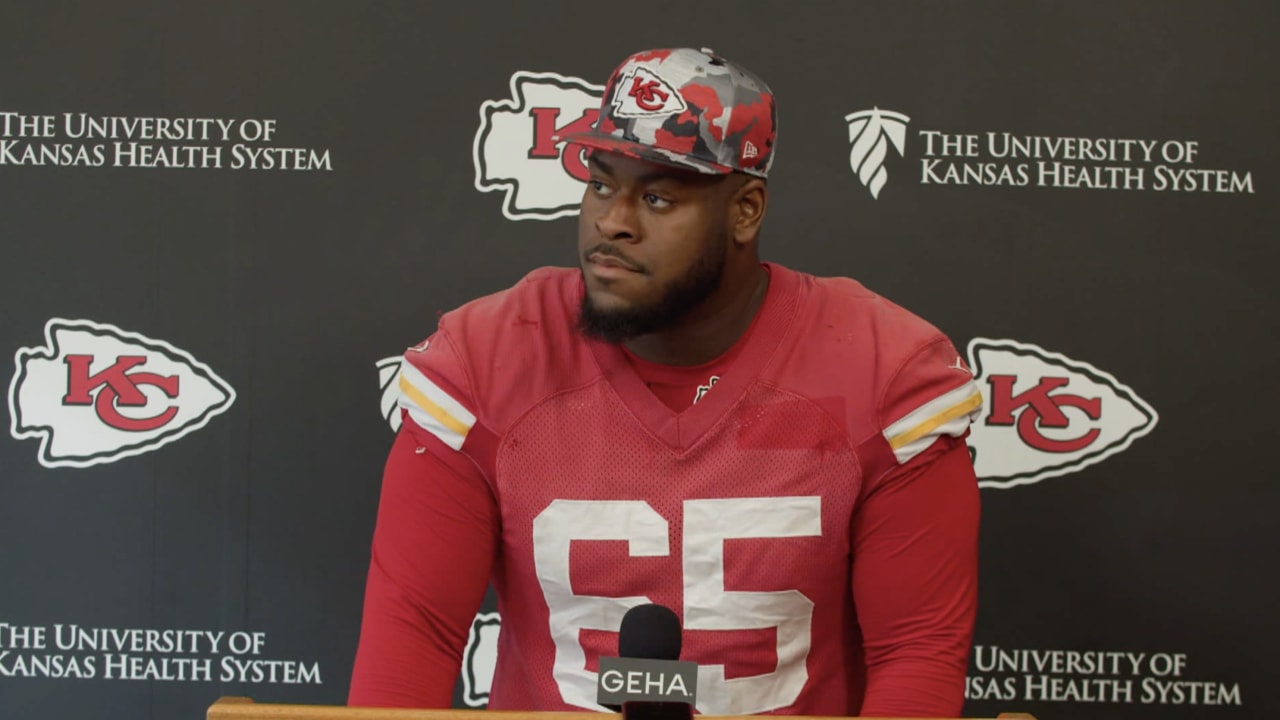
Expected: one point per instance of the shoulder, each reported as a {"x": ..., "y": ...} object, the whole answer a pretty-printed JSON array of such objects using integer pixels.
[
  {"x": 497, "y": 354},
  {"x": 846, "y": 332},
  {"x": 851, "y": 307},
  {"x": 894, "y": 375},
  {"x": 543, "y": 295},
  {"x": 537, "y": 310}
]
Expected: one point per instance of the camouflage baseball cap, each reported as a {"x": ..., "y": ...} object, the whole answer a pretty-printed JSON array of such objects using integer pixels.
[{"x": 688, "y": 108}]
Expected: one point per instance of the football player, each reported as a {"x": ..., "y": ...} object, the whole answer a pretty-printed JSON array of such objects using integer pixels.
[{"x": 779, "y": 458}]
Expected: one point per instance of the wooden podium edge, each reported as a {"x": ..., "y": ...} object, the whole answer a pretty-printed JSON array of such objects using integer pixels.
[{"x": 243, "y": 708}]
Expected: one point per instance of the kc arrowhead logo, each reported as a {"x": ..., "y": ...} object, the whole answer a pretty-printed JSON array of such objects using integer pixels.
[
  {"x": 94, "y": 394},
  {"x": 1046, "y": 415},
  {"x": 517, "y": 148},
  {"x": 643, "y": 93}
]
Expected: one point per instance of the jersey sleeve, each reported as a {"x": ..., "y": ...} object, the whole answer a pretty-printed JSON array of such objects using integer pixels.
[
  {"x": 931, "y": 396},
  {"x": 435, "y": 392},
  {"x": 433, "y": 545},
  {"x": 915, "y": 540}
]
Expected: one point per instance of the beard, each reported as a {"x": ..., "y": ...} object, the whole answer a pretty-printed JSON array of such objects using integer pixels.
[{"x": 679, "y": 297}]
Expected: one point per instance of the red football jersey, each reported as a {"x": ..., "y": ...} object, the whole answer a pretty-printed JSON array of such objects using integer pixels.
[{"x": 812, "y": 518}]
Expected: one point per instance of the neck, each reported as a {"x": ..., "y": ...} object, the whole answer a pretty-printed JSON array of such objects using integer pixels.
[{"x": 713, "y": 328}]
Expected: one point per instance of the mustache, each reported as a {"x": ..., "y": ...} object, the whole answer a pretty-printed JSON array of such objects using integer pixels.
[{"x": 609, "y": 250}]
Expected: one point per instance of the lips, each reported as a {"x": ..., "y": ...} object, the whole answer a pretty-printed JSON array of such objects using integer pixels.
[{"x": 609, "y": 261}]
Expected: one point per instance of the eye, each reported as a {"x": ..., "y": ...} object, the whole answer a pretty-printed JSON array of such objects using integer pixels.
[
  {"x": 599, "y": 188},
  {"x": 656, "y": 202}
]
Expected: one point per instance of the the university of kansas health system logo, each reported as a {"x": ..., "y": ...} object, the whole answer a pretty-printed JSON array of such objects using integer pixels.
[
  {"x": 389, "y": 380},
  {"x": 871, "y": 132},
  {"x": 517, "y": 148},
  {"x": 1045, "y": 415},
  {"x": 94, "y": 394},
  {"x": 1004, "y": 159}
]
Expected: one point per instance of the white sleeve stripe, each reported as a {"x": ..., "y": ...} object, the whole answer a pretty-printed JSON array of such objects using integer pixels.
[
  {"x": 429, "y": 423},
  {"x": 434, "y": 394},
  {"x": 931, "y": 409},
  {"x": 954, "y": 428},
  {"x": 947, "y": 414}
]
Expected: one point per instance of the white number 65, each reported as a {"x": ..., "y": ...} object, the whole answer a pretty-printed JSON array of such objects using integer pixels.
[{"x": 707, "y": 605}]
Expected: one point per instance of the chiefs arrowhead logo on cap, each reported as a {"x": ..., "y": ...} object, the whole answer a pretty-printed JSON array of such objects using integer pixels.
[
  {"x": 1045, "y": 415},
  {"x": 642, "y": 93}
]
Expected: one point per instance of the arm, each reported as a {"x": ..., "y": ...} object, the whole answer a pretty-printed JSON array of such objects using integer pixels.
[
  {"x": 915, "y": 584},
  {"x": 915, "y": 540},
  {"x": 433, "y": 549}
]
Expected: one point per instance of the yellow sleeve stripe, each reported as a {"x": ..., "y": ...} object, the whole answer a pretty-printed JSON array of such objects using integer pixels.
[
  {"x": 433, "y": 409},
  {"x": 965, "y": 407},
  {"x": 440, "y": 414}
]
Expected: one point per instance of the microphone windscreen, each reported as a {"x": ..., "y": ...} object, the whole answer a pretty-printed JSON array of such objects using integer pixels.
[{"x": 651, "y": 632}]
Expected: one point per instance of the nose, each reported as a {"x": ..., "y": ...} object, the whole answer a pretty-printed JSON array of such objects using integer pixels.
[{"x": 617, "y": 220}]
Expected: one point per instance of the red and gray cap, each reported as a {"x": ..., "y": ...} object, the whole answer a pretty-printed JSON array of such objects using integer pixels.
[{"x": 687, "y": 108}]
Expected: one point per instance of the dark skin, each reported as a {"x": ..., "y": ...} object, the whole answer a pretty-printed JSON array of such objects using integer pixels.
[{"x": 650, "y": 225}]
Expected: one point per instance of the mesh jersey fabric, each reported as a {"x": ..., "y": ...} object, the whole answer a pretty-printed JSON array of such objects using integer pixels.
[{"x": 746, "y": 513}]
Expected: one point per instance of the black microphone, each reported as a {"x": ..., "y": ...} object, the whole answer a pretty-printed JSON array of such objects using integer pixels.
[
  {"x": 648, "y": 681},
  {"x": 651, "y": 632}
]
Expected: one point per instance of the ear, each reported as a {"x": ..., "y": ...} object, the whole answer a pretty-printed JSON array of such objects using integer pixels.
[{"x": 746, "y": 210}]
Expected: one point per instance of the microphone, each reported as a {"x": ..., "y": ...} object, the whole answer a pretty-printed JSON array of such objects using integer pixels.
[
  {"x": 648, "y": 681},
  {"x": 650, "y": 631}
]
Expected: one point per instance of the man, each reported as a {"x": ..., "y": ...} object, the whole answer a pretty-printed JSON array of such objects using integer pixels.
[{"x": 779, "y": 458}]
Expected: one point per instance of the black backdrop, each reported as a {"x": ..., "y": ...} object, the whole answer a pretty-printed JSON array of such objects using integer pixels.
[{"x": 1129, "y": 576}]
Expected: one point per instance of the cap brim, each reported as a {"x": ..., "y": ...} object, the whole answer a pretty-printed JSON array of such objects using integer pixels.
[{"x": 609, "y": 143}]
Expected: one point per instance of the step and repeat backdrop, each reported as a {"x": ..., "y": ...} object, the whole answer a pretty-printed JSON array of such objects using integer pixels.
[{"x": 223, "y": 222}]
